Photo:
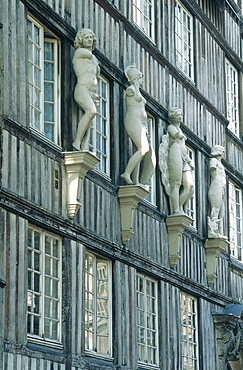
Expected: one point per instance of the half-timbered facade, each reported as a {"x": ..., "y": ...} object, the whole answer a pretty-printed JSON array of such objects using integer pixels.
[{"x": 72, "y": 295}]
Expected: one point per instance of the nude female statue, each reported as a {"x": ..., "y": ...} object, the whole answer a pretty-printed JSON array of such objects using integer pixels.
[
  {"x": 87, "y": 70},
  {"x": 216, "y": 192},
  {"x": 175, "y": 164},
  {"x": 140, "y": 166}
]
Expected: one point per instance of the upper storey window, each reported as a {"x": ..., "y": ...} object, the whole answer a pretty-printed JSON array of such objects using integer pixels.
[
  {"x": 232, "y": 98},
  {"x": 143, "y": 15},
  {"x": 99, "y": 142},
  {"x": 235, "y": 221},
  {"x": 183, "y": 39},
  {"x": 43, "y": 80}
]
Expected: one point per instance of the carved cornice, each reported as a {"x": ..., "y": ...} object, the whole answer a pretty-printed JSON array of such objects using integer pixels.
[{"x": 229, "y": 335}]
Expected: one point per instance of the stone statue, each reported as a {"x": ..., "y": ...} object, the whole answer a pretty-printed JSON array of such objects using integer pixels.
[
  {"x": 87, "y": 70},
  {"x": 141, "y": 165},
  {"x": 216, "y": 192},
  {"x": 175, "y": 165}
]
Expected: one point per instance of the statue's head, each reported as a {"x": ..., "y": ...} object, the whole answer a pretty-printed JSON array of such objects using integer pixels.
[
  {"x": 217, "y": 150},
  {"x": 132, "y": 73},
  {"x": 175, "y": 113},
  {"x": 78, "y": 42}
]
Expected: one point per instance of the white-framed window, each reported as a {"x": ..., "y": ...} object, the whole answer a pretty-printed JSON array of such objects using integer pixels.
[
  {"x": 143, "y": 15},
  {"x": 147, "y": 319},
  {"x": 151, "y": 197},
  {"x": 99, "y": 142},
  {"x": 44, "y": 81},
  {"x": 184, "y": 39},
  {"x": 236, "y": 221},
  {"x": 191, "y": 205},
  {"x": 189, "y": 331},
  {"x": 98, "y": 298},
  {"x": 44, "y": 286},
  {"x": 232, "y": 100}
]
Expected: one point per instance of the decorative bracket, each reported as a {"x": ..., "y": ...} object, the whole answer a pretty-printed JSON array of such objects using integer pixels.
[
  {"x": 129, "y": 196},
  {"x": 229, "y": 335},
  {"x": 176, "y": 224},
  {"x": 213, "y": 246},
  {"x": 77, "y": 165}
]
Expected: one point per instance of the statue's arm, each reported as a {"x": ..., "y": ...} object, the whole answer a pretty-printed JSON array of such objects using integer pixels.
[{"x": 82, "y": 53}]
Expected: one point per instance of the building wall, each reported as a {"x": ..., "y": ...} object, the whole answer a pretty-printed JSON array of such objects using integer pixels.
[{"x": 27, "y": 180}]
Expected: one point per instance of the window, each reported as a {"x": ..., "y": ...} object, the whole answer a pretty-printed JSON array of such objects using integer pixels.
[
  {"x": 188, "y": 310},
  {"x": 191, "y": 205},
  {"x": 151, "y": 197},
  {"x": 44, "y": 286},
  {"x": 99, "y": 132},
  {"x": 232, "y": 98},
  {"x": 235, "y": 221},
  {"x": 143, "y": 15},
  {"x": 43, "y": 81},
  {"x": 147, "y": 332},
  {"x": 97, "y": 304},
  {"x": 183, "y": 39}
]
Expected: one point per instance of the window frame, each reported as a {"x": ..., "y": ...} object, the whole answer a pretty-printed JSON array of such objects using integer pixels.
[
  {"x": 56, "y": 83},
  {"x": 151, "y": 197},
  {"x": 233, "y": 117},
  {"x": 146, "y": 278},
  {"x": 139, "y": 16},
  {"x": 41, "y": 338},
  {"x": 191, "y": 209},
  {"x": 190, "y": 59},
  {"x": 235, "y": 223},
  {"x": 94, "y": 350},
  {"x": 196, "y": 328},
  {"x": 94, "y": 132}
]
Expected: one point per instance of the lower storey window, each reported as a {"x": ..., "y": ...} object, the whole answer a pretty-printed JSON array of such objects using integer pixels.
[
  {"x": 188, "y": 310},
  {"x": 97, "y": 304},
  {"x": 44, "y": 285},
  {"x": 147, "y": 331}
]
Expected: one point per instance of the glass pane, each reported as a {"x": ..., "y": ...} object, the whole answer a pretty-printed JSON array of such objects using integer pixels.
[
  {"x": 36, "y": 35},
  {"x": 48, "y": 286},
  {"x": 48, "y": 245},
  {"x": 48, "y": 112},
  {"x": 55, "y": 267},
  {"x": 29, "y": 280},
  {"x": 54, "y": 330},
  {"x": 55, "y": 248},
  {"x": 48, "y": 51},
  {"x": 47, "y": 307},
  {"x": 37, "y": 56},
  {"x": 30, "y": 55},
  {"x": 36, "y": 303},
  {"x": 36, "y": 119},
  {"x": 102, "y": 345},
  {"x": 37, "y": 283},
  {"x": 36, "y": 98},
  {"x": 49, "y": 131},
  {"x": 102, "y": 307},
  {"x": 47, "y": 265},
  {"x": 36, "y": 325},
  {"x": 102, "y": 325},
  {"x": 55, "y": 289},
  {"x": 49, "y": 71},
  {"x": 37, "y": 240},
  {"x": 29, "y": 29},
  {"x": 37, "y": 261},
  {"x": 48, "y": 91},
  {"x": 47, "y": 328},
  {"x": 55, "y": 309},
  {"x": 37, "y": 77},
  {"x": 29, "y": 259}
]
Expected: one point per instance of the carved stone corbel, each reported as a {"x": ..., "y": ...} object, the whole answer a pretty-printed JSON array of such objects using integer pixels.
[
  {"x": 229, "y": 336},
  {"x": 129, "y": 196},
  {"x": 176, "y": 224},
  {"x": 77, "y": 164},
  {"x": 213, "y": 247}
]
